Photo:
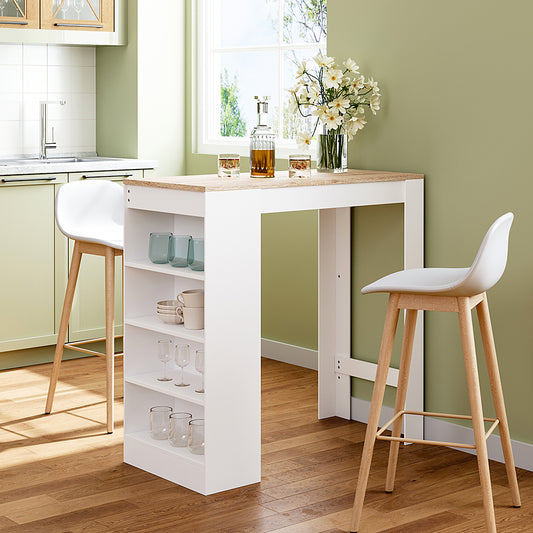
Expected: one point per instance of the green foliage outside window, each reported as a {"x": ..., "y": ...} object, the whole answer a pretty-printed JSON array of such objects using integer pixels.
[{"x": 231, "y": 122}]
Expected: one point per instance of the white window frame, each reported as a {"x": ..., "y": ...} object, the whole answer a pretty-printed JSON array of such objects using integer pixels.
[{"x": 207, "y": 101}]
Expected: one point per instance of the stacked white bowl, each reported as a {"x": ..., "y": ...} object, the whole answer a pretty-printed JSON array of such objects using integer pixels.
[{"x": 167, "y": 311}]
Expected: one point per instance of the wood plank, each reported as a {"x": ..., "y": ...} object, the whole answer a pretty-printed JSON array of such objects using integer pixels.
[{"x": 62, "y": 472}]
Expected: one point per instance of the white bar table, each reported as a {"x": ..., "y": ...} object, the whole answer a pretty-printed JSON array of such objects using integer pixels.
[{"x": 227, "y": 213}]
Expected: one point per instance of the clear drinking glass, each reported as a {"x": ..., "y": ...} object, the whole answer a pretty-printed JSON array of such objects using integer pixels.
[
  {"x": 179, "y": 429},
  {"x": 182, "y": 356},
  {"x": 196, "y": 254},
  {"x": 300, "y": 166},
  {"x": 159, "y": 423},
  {"x": 197, "y": 436},
  {"x": 164, "y": 355},
  {"x": 199, "y": 364},
  {"x": 229, "y": 166},
  {"x": 158, "y": 248},
  {"x": 178, "y": 250}
]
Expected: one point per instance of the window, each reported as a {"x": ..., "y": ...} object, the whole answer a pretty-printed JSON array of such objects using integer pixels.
[{"x": 248, "y": 48}]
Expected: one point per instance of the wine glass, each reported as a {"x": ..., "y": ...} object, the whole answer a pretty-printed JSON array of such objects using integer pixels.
[
  {"x": 3, "y": 4},
  {"x": 65, "y": 6},
  {"x": 182, "y": 358},
  {"x": 78, "y": 6},
  {"x": 200, "y": 367},
  {"x": 164, "y": 357}
]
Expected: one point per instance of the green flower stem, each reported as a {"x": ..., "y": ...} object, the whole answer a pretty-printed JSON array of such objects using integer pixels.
[{"x": 330, "y": 150}]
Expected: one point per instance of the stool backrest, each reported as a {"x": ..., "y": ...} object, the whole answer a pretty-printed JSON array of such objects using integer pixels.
[
  {"x": 491, "y": 259},
  {"x": 82, "y": 205}
]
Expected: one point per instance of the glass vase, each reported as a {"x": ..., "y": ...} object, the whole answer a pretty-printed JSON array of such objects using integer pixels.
[{"x": 332, "y": 152}]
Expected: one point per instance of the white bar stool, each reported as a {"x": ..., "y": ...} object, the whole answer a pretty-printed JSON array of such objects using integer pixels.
[
  {"x": 92, "y": 214},
  {"x": 457, "y": 290}
]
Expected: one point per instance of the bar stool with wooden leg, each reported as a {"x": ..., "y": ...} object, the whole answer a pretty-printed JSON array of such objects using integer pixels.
[
  {"x": 456, "y": 290},
  {"x": 92, "y": 214}
]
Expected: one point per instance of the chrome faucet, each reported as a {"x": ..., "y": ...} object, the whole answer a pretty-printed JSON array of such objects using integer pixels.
[{"x": 45, "y": 145}]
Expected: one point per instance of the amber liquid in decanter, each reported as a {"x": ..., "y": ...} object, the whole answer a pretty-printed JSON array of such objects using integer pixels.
[{"x": 262, "y": 163}]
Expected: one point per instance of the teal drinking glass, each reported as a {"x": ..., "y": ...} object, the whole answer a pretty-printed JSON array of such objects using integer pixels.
[
  {"x": 158, "y": 248},
  {"x": 196, "y": 254},
  {"x": 178, "y": 250}
]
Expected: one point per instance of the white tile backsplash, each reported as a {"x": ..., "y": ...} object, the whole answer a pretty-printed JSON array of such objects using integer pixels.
[{"x": 30, "y": 74}]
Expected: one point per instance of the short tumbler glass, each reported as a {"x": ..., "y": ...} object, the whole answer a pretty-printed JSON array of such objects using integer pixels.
[
  {"x": 178, "y": 250},
  {"x": 197, "y": 436},
  {"x": 196, "y": 254},
  {"x": 228, "y": 165},
  {"x": 158, "y": 249},
  {"x": 159, "y": 421},
  {"x": 179, "y": 429},
  {"x": 300, "y": 166}
]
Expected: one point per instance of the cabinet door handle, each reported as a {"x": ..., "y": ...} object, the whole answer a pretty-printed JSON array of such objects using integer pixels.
[
  {"x": 21, "y": 23},
  {"x": 84, "y": 177},
  {"x": 78, "y": 25},
  {"x": 22, "y": 180}
]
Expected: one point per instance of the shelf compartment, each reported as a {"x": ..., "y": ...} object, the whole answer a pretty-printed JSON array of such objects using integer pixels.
[
  {"x": 153, "y": 323},
  {"x": 149, "y": 381},
  {"x": 145, "y": 264},
  {"x": 159, "y": 457}
]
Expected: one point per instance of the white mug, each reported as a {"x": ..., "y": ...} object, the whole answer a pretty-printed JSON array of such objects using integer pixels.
[
  {"x": 193, "y": 317},
  {"x": 192, "y": 298}
]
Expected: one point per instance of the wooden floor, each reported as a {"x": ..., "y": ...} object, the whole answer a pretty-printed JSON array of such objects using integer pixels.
[{"x": 61, "y": 473}]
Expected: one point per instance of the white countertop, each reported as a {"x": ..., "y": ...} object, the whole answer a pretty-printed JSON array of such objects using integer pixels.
[{"x": 88, "y": 164}]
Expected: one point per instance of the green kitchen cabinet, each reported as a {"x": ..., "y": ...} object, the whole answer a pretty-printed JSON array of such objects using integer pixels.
[{"x": 31, "y": 246}]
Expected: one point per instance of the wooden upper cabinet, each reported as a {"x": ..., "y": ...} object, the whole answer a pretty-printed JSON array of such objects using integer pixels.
[
  {"x": 86, "y": 15},
  {"x": 19, "y": 14}
]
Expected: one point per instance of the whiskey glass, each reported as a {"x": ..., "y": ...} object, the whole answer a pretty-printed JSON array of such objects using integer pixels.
[
  {"x": 229, "y": 165},
  {"x": 178, "y": 434},
  {"x": 197, "y": 436},
  {"x": 159, "y": 421}
]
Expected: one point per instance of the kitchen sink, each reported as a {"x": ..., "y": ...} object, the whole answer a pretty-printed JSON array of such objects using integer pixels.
[{"x": 16, "y": 162}]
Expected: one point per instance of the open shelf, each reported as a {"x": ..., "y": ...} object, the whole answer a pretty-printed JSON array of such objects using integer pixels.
[
  {"x": 153, "y": 323},
  {"x": 182, "y": 453},
  {"x": 149, "y": 381},
  {"x": 159, "y": 457},
  {"x": 146, "y": 264}
]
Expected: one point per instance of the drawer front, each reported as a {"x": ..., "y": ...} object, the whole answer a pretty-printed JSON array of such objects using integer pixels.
[
  {"x": 32, "y": 179},
  {"x": 105, "y": 175}
]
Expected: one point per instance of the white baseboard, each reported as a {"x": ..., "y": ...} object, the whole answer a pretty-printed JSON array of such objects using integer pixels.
[
  {"x": 446, "y": 431},
  {"x": 288, "y": 353}
]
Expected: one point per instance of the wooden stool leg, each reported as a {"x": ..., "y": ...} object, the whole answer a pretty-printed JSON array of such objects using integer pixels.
[
  {"x": 110, "y": 334},
  {"x": 401, "y": 393},
  {"x": 389, "y": 330},
  {"x": 63, "y": 326},
  {"x": 474, "y": 393},
  {"x": 497, "y": 395}
]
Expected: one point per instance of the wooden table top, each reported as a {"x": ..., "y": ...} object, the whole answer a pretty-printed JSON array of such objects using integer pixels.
[{"x": 211, "y": 182}]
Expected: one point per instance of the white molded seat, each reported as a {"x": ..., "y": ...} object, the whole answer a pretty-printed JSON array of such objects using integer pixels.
[
  {"x": 92, "y": 211},
  {"x": 92, "y": 214},
  {"x": 486, "y": 270},
  {"x": 457, "y": 290}
]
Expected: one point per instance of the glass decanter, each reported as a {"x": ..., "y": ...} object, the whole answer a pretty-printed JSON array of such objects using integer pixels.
[{"x": 262, "y": 143}]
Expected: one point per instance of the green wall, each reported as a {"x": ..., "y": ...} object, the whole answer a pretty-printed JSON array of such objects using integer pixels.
[
  {"x": 456, "y": 82},
  {"x": 455, "y": 79}
]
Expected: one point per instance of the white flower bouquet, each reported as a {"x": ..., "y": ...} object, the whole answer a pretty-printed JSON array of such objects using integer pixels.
[{"x": 338, "y": 97}]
